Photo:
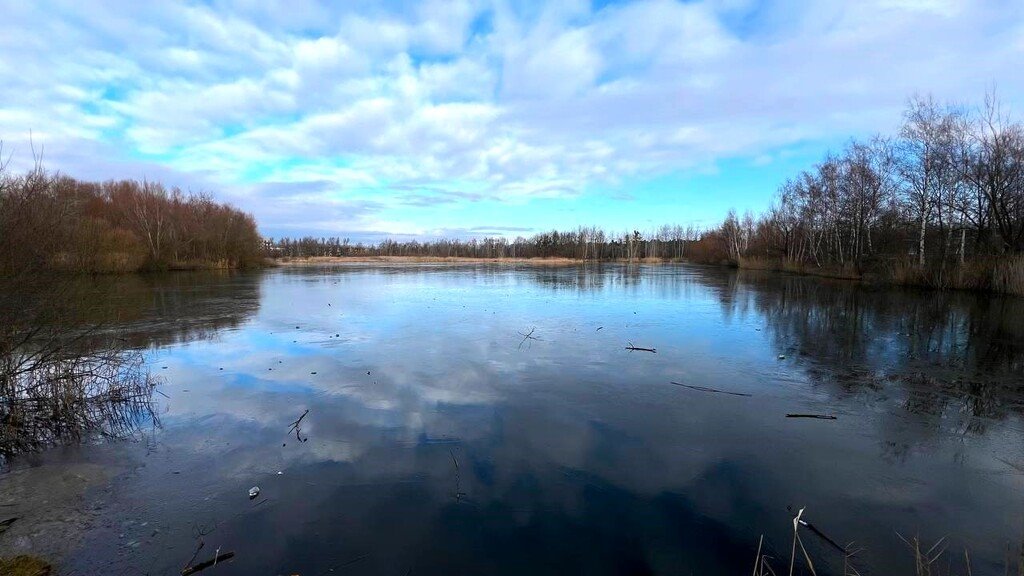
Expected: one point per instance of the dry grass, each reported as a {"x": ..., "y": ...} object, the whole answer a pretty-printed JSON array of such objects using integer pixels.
[
  {"x": 221, "y": 264},
  {"x": 1008, "y": 275},
  {"x": 846, "y": 271},
  {"x": 1002, "y": 275},
  {"x": 327, "y": 260},
  {"x": 933, "y": 560},
  {"x": 538, "y": 261},
  {"x": 24, "y": 566}
]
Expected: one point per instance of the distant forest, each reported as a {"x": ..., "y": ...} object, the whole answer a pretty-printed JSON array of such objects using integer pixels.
[
  {"x": 939, "y": 203},
  {"x": 584, "y": 243},
  {"x": 57, "y": 223}
]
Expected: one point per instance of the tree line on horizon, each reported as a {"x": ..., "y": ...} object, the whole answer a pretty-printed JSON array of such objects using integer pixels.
[
  {"x": 668, "y": 242},
  {"x": 939, "y": 203},
  {"x": 51, "y": 222}
]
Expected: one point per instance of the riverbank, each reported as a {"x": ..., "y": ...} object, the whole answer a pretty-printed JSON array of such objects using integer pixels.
[
  {"x": 342, "y": 260},
  {"x": 1002, "y": 275}
]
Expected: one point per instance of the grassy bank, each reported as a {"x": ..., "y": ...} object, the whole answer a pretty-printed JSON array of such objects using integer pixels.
[
  {"x": 1002, "y": 275},
  {"x": 121, "y": 263}
]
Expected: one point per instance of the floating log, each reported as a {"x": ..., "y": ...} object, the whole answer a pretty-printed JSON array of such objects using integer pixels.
[
  {"x": 818, "y": 416},
  {"x": 705, "y": 389},
  {"x": 204, "y": 565}
]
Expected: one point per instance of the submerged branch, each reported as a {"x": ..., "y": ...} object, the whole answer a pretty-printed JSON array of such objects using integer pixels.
[{"x": 60, "y": 385}]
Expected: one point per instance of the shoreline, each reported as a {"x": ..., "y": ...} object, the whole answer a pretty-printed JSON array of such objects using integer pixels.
[
  {"x": 994, "y": 276},
  {"x": 977, "y": 281},
  {"x": 454, "y": 260}
]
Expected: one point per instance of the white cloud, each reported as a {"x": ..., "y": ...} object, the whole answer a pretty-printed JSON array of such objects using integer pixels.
[{"x": 505, "y": 100}]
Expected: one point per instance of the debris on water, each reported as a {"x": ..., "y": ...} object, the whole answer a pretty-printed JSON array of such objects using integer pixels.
[
  {"x": 631, "y": 348},
  {"x": 254, "y": 492},
  {"x": 817, "y": 416},
  {"x": 295, "y": 427},
  {"x": 312, "y": 372},
  {"x": 7, "y": 524},
  {"x": 782, "y": 356},
  {"x": 296, "y": 327},
  {"x": 706, "y": 389},
  {"x": 207, "y": 564},
  {"x": 528, "y": 336},
  {"x": 279, "y": 472}
]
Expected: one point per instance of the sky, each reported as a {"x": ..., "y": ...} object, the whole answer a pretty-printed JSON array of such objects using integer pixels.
[{"x": 471, "y": 118}]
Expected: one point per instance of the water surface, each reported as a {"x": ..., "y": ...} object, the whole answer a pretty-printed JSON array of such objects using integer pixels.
[{"x": 440, "y": 441}]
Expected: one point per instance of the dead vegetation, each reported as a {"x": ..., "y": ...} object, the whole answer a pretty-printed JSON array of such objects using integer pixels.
[
  {"x": 24, "y": 565},
  {"x": 51, "y": 400},
  {"x": 63, "y": 379},
  {"x": 928, "y": 560}
]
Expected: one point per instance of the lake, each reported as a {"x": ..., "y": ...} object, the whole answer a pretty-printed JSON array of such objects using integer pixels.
[{"x": 488, "y": 419}]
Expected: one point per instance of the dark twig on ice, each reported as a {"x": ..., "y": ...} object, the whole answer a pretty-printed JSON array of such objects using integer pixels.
[
  {"x": 348, "y": 563},
  {"x": 194, "y": 554},
  {"x": 705, "y": 389},
  {"x": 458, "y": 488},
  {"x": 294, "y": 427},
  {"x": 632, "y": 348},
  {"x": 295, "y": 424},
  {"x": 7, "y": 524},
  {"x": 818, "y": 416},
  {"x": 528, "y": 336},
  {"x": 1016, "y": 467},
  {"x": 204, "y": 565},
  {"x": 818, "y": 532},
  {"x": 824, "y": 537}
]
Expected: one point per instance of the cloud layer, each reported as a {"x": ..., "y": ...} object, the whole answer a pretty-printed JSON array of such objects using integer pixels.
[{"x": 422, "y": 117}]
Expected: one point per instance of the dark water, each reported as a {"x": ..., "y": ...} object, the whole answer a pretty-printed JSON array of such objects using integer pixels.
[{"x": 439, "y": 441}]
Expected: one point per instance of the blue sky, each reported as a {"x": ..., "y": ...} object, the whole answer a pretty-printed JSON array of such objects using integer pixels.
[{"x": 469, "y": 118}]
